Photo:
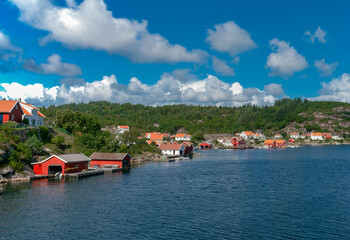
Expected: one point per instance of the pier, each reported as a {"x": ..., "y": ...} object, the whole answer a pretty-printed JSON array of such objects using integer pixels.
[{"x": 91, "y": 172}]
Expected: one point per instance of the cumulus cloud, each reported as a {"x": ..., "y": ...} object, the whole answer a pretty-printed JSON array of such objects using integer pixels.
[
  {"x": 221, "y": 67},
  {"x": 336, "y": 90},
  {"x": 90, "y": 25},
  {"x": 285, "y": 60},
  {"x": 274, "y": 89},
  {"x": 8, "y": 54},
  {"x": 229, "y": 37},
  {"x": 168, "y": 90},
  {"x": 324, "y": 68},
  {"x": 319, "y": 35},
  {"x": 54, "y": 65}
]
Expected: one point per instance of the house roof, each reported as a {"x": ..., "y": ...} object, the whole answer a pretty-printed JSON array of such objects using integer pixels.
[
  {"x": 108, "y": 156},
  {"x": 280, "y": 141},
  {"x": 180, "y": 135},
  {"x": 294, "y": 133},
  {"x": 316, "y": 134},
  {"x": 166, "y": 135},
  {"x": 156, "y": 136},
  {"x": 170, "y": 146},
  {"x": 238, "y": 138},
  {"x": 249, "y": 133},
  {"x": 29, "y": 105},
  {"x": 269, "y": 141},
  {"x": 123, "y": 126},
  {"x": 7, "y": 105},
  {"x": 68, "y": 158}
]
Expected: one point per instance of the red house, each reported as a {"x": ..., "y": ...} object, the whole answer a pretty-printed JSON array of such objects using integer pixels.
[
  {"x": 291, "y": 141},
  {"x": 205, "y": 145},
  {"x": 327, "y": 135},
  {"x": 281, "y": 143},
  {"x": 270, "y": 143},
  {"x": 238, "y": 142},
  {"x": 114, "y": 160},
  {"x": 65, "y": 163},
  {"x": 10, "y": 110}
]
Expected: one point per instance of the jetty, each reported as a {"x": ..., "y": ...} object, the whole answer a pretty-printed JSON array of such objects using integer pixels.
[{"x": 89, "y": 173}]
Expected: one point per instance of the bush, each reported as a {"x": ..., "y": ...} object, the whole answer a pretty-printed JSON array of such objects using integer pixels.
[
  {"x": 34, "y": 144},
  {"x": 25, "y": 121},
  {"x": 44, "y": 133},
  {"x": 58, "y": 140},
  {"x": 16, "y": 165}
]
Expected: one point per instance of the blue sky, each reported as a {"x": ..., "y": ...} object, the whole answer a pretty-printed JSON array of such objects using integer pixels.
[{"x": 161, "y": 52}]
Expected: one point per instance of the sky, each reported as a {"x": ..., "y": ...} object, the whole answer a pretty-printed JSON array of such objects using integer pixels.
[{"x": 154, "y": 52}]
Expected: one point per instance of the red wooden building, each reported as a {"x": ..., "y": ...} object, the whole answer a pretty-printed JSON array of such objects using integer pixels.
[
  {"x": 205, "y": 145},
  {"x": 238, "y": 142},
  {"x": 281, "y": 143},
  {"x": 64, "y": 163},
  {"x": 113, "y": 160},
  {"x": 270, "y": 143},
  {"x": 10, "y": 110}
]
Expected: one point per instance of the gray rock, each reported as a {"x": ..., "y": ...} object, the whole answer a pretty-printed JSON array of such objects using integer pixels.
[
  {"x": 6, "y": 170},
  {"x": 16, "y": 176},
  {"x": 28, "y": 171},
  {"x": 2, "y": 179}
]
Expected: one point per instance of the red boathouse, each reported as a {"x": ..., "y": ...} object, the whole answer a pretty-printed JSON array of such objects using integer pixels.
[
  {"x": 238, "y": 142},
  {"x": 64, "y": 163},
  {"x": 113, "y": 160},
  {"x": 10, "y": 110},
  {"x": 205, "y": 145}
]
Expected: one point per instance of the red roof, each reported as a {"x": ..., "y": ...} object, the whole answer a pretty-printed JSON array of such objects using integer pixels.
[
  {"x": 7, "y": 105},
  {"x": 170, "y": 146},
  {"x": 316, "y": 134},
  {"x": 156, "y": 136},
  {"x": 41, "y": 115},
  {"x": 269, "y": 141},
  {"x": 123, "y": 126},
  {"x": 29, "y": 105},
  {"x": 180, "y": 135}
]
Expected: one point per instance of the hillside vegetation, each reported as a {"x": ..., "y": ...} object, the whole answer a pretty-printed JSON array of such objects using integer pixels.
[{"x": 285, "y": 115}]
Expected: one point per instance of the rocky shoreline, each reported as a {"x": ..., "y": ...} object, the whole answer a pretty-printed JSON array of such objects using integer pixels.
[{"x": 7, "y": 174}]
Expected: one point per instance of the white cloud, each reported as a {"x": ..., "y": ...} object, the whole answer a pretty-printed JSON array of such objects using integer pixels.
[
  {"x": 90, "y": 25},
  {"x": 336, "y": 90},
  {"x": 319, "y": 34},
  {"x": 5, "y": 43},
  {"x": 54, "y": 65},
  {"x": 221, "y": 67},
  {"x": 168, "y": 90},
  {"x": 285, "y": 60},
  {"x": 229, "y": 37},
  {"x": 324, "y": 68},
  {"x": 274, "y": 89},
  {"x": 9, "y": 54}
]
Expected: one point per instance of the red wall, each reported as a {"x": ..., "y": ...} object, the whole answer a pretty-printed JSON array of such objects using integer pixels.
[
  {"x": 100, "y": 163},
  {"x": 17, "y": 114},
  {"x": 43, "y": 168}
]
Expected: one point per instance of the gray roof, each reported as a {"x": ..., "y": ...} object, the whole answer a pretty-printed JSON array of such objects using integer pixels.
[
  {"x": 75, "y": 157},
  {"x": 108, "y": 156}
]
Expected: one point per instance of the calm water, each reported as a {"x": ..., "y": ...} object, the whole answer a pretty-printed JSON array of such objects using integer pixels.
[{"x": 299, "y": 193}]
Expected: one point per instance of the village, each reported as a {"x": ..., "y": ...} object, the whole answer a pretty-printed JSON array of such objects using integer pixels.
[{"x": 172, "y": 146}]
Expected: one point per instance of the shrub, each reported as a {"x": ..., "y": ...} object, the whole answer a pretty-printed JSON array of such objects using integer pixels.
[
  {"x": 16, "y": 165},
  {"x": 58, "y": 140},
  {"x": 34, "y": 144},
  {"x": 44, "y": 133}
]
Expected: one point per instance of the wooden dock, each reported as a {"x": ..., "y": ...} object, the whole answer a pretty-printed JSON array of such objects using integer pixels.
[
  {"x": 38, "y": 177},
  {"x": 90, "y": 173}
]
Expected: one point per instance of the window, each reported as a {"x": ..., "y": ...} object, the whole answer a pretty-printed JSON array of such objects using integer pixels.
[
  {"x": 13, "y": 117},
  {"x": 16, "y": 106}
]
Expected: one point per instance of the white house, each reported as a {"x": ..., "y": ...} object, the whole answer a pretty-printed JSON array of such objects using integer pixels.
[
  {"x": 183, "y": 137},
  {"x": 228, "y": 142},
  {"x": 247, "y": 134},
  {"x": 278, "y": 136},
  {"x": 259, "y": 136},
  {"x": 337, "y": 137},
  {"x": 122, "y": 129},
  {"x": 172, "y": 149},
  {"x": 316, "y": 136},
  {"x": 34, "y": 116},
  {"x": 294, "y": 135}
]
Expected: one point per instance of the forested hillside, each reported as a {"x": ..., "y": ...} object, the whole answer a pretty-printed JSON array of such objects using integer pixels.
[{"x": 207, "y": 119}]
